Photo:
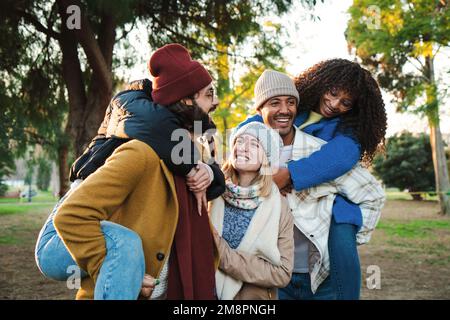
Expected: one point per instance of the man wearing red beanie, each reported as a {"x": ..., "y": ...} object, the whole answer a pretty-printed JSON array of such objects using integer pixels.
[
  {"x": 142, "y": 192},
  {"x": 176, "y": 75},
  {"x": 185, "y": 87}
]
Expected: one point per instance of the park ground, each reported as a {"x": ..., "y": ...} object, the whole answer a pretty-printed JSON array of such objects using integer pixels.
[{"x": 410, "y": 248}]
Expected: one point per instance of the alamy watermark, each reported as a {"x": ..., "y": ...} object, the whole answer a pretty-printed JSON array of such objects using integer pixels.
[
  {"x": 74, "y": 18},
  {"x": 73, "y": 282},
  {"x": 373, "y": 281}
]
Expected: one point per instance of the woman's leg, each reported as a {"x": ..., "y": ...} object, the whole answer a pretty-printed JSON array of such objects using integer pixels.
[
  {"x": 345, "y": 269},
  {"x": 122, "y": 271},
  {"x": 52, "y": 257}
]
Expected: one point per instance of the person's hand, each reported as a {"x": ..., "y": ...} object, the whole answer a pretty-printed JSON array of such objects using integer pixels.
[
  {"x": 201, "y": 201},
  {"x": 282, "y": 178},
  {"x": 286, "y": 190},
  {"x": 148, "y": 284},
  {"x": 198, "y": 179}
]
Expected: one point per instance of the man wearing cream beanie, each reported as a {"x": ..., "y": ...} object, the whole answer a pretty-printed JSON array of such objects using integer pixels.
[
  {"x": 271, "y": 84},
  {"x": 277, "y": 92}
]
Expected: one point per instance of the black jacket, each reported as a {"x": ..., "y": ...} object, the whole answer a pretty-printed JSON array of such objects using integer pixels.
[{"x": 132, "y": 114}]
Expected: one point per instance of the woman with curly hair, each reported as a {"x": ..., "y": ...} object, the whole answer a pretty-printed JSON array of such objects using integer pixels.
[{"x": 340, "y": 103}]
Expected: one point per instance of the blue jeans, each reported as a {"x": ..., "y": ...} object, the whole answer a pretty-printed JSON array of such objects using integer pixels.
[
  {"x": 344, "y": 281},
  {"x": 121, "y": 274},
  {"x": 299, "y": 288},
  {"x": 345, "y": 269}
]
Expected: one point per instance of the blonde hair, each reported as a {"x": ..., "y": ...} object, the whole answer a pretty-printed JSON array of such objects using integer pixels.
[{"x": 263, "y": 179}]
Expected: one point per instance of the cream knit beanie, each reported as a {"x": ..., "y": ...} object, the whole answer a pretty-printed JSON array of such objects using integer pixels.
[{"x": 272, "y": 83}]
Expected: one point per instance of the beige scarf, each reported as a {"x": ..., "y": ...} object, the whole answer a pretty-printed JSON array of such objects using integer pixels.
[{"x": 261, "y": 238}]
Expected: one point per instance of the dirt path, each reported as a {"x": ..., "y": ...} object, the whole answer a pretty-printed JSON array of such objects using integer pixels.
[
  {"x": 19, "y": 276},
  {"x": 412, "y": 266},
  {"x": 413, "y": 255}
]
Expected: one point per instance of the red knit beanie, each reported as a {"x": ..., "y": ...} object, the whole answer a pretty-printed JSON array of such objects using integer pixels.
[{"x": 176, "y": 75}]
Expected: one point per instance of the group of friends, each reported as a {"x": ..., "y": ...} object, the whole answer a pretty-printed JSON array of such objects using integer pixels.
[{"x": 151, "y": 215}]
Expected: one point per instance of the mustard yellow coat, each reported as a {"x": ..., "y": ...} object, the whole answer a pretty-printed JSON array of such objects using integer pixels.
[{"x": 133, "y": 188}]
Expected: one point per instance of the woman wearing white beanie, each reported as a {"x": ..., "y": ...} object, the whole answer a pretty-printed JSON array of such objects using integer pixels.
[{"x": 253, "y": 224}]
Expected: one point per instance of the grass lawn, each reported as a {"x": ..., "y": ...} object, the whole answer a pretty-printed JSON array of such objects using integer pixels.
[
  {"x": 410, "y": 247},
  {"x": 415, "y": 229},
  {"x": 42, "y": 196},
  {"x": 10, "y": 206},
  {"x": 396, "y": 194},
  {"x": 20, "y": 208},
  {"x": 19, "y": 222}
]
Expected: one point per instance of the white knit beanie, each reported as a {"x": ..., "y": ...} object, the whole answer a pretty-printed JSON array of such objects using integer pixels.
[
  {"x": 272, "y": 83},
  {"x": 269, "y": 139}
]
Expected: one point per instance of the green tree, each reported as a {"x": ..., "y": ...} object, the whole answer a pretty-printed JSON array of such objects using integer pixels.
[
  {"x": 60, "y": 79},
  {"x": 29, "y": 176},
  {"x": 44, "y": 174},
  {"x": 3, "y": 188},
  {"x": 407, "y": 164},
  {"x": 399, "y": 41},
  {"x": 6, "y": 163},
  {"x": 235, "y": 66},
  {"x": 8, "y": 130},
  {"x": 237, "y": 45}
]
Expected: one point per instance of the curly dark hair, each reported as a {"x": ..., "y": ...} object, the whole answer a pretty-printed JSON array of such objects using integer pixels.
[{"x": 366, "y": 121}]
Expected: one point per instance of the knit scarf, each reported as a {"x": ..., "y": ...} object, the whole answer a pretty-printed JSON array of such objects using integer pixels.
[{"x": 241, "y": 197}]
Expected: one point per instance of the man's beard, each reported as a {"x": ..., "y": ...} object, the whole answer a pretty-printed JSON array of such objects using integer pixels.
[{"x": 188, "y": 114}]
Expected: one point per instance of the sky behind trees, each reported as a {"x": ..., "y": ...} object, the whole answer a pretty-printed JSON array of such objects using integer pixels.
[{"x": 313, "y": 40}]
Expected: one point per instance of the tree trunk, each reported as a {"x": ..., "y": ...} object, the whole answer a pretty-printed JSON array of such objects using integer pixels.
[
  {"x": 437, "y": 145},
  {"x": 440, "y": 167},
  {"x": 100, "y": 88},
  {"x": 63, "y": 152},
  {"x": 223, "y": 90},
  {"x": 98, "y": 100},
  {"x": 86, "y": 111},
  {"x": 73, "y": 79}
]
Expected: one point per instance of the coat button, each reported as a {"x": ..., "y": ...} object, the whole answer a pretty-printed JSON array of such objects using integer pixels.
[{"x": 160, "y": 256}]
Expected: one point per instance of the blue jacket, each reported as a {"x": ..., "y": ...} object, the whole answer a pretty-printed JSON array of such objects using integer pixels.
[{"x": 334, "y": 159}]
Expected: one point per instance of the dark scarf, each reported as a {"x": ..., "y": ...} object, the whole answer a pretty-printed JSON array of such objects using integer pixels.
[{"x": 191, "y": 261}]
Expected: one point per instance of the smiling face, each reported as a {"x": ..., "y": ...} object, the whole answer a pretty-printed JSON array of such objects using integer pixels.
[
  {"x": 247, "y": 154},
  {"x": 334, "y": 103},
  {"x": 279, "y": 113}
]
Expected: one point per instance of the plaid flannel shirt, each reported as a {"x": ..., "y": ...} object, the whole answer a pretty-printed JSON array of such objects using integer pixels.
[{"x": 312, "y": 208}]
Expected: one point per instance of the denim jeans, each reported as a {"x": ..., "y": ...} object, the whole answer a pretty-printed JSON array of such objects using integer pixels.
[
  {"x": 345, "y": 269},
  {"x": 344, "y": 281},
  {"x": 299, "y": 288},
  {"x": 121, "y": 274}
]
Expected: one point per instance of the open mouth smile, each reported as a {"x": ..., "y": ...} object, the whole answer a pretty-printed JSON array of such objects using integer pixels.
[{"x": 283, "y": 120}]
